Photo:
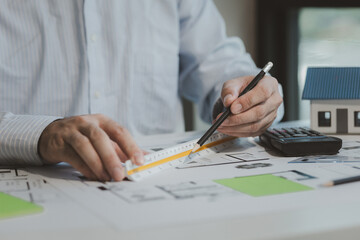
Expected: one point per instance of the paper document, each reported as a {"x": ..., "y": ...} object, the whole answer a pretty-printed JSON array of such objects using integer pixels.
[{"x": 256, "y": 182}]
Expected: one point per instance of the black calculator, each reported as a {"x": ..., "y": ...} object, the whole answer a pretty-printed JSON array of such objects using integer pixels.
[{"x": 300, "y": 141}]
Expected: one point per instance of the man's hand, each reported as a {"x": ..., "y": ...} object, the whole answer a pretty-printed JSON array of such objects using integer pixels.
[
  {"x": 93, "y": 144},
  {"x": 253, "y": 112}
]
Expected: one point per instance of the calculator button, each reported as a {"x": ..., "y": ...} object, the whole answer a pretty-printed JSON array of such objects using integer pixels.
[
  {"x": 276, "y": 134},
  {"x": 314, "y": 132},
  {"x": 278, "y": 130},
  {"x": 289, "y": 130},
  {"x": 272, "y": 132},
  {"x": 306, "y": 131},
  {"x": 296, "y": 131},
  {"x": 300, "y": 135}
]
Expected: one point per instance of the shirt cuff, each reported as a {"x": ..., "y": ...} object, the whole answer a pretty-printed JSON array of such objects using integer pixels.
[{"x": 19, "y": 138}]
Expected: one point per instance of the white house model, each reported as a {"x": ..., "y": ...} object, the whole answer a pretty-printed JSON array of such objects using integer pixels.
[{"x": 334, "y": 95}]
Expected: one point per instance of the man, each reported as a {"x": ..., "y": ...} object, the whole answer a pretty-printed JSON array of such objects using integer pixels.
[{"x": 78, "y": 78}]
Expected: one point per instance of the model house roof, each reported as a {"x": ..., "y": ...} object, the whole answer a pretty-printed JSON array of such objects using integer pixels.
[{"x": 332, "y": 83}]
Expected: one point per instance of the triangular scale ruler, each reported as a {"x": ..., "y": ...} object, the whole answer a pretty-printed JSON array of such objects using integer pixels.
[{"x": 174, "y": 156}]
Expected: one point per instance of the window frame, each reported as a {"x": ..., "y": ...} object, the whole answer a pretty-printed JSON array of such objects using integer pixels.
[
  {"x": 322, "y": 120},
  {"x": 356, "y": 119}
]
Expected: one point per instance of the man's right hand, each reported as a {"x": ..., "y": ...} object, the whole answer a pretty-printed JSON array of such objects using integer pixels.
[{"x": 93, "y": 144}]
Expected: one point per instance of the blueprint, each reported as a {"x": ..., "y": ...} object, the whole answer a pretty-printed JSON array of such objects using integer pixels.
[{"x": 176, "y": 195}]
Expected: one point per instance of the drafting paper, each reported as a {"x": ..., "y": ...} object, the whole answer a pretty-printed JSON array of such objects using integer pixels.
[
  {"x": 326, "y": 159},
  {"x": 244, "y": 151},
  {"x": 174, "y": 196}
]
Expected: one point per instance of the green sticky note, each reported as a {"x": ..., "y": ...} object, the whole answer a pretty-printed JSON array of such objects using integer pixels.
[
  {"x": 12, "y": 206},
  {"x": 262, "y": 185}
]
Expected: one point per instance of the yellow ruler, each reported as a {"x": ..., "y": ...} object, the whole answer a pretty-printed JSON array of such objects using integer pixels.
[{"x": 176, "y": 155}]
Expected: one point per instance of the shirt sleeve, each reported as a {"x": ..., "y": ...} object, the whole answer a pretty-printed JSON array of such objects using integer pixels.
[
  {"x": 19, "y": 136},
  {"x": 208, "y": 57}
]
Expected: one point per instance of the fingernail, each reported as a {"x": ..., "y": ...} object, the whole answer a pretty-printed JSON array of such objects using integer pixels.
[
  {"x": 139, "y": 158},
  {"x": 226, "y": 99},
  {"x": 237, "y": 109},
  {"x": 118, "y": 174}
]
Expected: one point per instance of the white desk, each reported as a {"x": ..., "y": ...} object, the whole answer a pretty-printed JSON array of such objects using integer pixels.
[{"x": 78, "y": 210}]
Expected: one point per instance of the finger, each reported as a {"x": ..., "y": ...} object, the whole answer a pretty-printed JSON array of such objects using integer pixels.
[
  {"x": 256, "y": 113},
  {"x": 83, "y": 147},
  {"x": 250, "y": 134},
  {"x": 76, "y": 162},
  {"x": 84, "y": 170},
  {"x": 125, "y": 141},
  {"x": 122, "y": 155},
  {"x": 239, "y": 133},
  {"x": 232, "y": 88},
  {"x": 119, "y": 152},
  {"x": 103, "y": 146},
  {"x": 259, "y": 94},
  {"x": 250, "y": 129}
]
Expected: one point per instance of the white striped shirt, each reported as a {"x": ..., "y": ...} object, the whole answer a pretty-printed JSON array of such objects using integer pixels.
[{"x": 130, "y": 60}]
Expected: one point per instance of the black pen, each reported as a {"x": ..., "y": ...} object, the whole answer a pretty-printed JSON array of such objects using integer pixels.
[
  {"x": 342, "y": 181},
  {"x": 218, "y": 122}
]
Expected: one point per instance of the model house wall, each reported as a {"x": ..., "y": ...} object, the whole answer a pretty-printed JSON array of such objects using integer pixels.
[
  {"x": 336, "y": 118},
  {"x": 334, "y": 94}
]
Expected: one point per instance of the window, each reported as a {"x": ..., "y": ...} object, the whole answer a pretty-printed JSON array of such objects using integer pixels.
[
  {"x": 296, "y": 34},
  {"x": 357, "y": 118},
  {"x": 324, "y": 119},
  {"x": 327, "y": 37}
]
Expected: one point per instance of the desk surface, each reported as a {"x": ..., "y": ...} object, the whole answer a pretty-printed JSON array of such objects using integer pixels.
[{"x": 152, "y": 209}]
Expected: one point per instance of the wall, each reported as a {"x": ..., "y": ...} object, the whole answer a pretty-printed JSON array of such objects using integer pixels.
[
  {"x": 240, "y": 19},
  {"x": 331, "y": 106}
]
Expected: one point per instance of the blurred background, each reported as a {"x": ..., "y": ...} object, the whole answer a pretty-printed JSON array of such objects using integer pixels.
[{"x": 294, "y": 35}]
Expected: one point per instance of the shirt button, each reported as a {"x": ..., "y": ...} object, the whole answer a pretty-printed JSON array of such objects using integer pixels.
[
  {"x": 93, "y": 37},
  {"x": 97, "y": 95}
]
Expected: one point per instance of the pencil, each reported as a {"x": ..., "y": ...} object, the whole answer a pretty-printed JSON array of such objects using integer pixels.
[
  {"x": 342, "y": 181},
  {"x": 227, "y": 112}
]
